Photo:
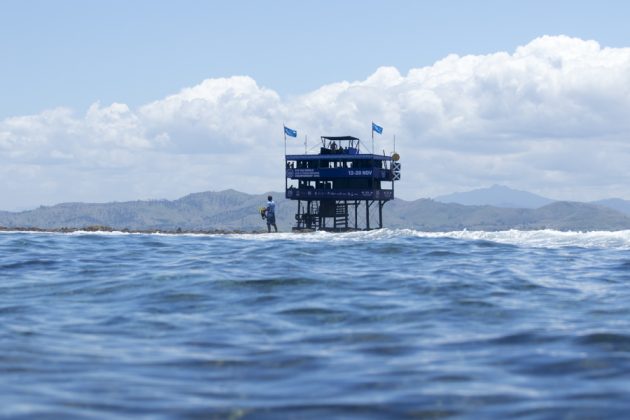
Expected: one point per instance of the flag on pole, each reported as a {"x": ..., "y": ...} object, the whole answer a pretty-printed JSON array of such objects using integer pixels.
[
  {"x": 377, "y": 128},
  {"x": 290, "y": 132}
]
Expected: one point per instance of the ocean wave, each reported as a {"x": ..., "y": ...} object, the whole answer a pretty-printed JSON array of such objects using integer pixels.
[
  {"x": 198, "y": 324},
  {"x": 533, "y": 238},
  {"x": 546, "y": 238}
]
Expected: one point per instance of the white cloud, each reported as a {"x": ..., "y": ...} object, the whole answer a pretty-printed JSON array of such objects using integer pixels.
[
  {"x": 551, "y": 117},
  {"x": 218, "y": 115}
]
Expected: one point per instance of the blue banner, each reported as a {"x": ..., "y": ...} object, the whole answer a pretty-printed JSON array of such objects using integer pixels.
[
  {"x": 289, "y": 132},
  {"x": 377, "y": 128},
  {"x": 322, "y": 173}
]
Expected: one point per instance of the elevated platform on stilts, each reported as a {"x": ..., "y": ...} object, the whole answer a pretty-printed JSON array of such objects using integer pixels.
[{"x": 336, "y": 188}]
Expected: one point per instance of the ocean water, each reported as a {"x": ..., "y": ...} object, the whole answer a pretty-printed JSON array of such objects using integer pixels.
[{"x": 380, "y": 324}]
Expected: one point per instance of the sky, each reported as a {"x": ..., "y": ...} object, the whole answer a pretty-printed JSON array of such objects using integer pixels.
[{"x": 119, "y": 100}]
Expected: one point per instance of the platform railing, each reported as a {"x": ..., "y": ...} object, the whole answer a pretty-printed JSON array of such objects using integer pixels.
[{"x": 318, "y": 194}]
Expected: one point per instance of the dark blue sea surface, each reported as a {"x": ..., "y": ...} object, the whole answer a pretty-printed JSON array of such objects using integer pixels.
[{"x": 369, "y": 325}]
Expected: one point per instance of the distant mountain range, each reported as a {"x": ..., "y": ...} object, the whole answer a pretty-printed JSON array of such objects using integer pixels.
[
  {"x": 618, "y": 204},
  {"x": 233, "y": 210},
  {"x": 227, "y": 210},
  {"x": 497, "y": 196},
  {"x": 502, "y": 196}
]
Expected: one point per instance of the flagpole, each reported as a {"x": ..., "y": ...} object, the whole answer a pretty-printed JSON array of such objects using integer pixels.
[
  {"x": 372, "y": 126},
  {"x": 305, "y": 144},
  {"x": 285, "y": 140}
]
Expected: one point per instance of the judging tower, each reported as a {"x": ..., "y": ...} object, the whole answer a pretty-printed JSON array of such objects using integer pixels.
[{"x": 337, "y": 189}]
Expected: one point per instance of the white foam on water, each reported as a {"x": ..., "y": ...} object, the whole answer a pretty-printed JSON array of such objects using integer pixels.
[
  {"x": 103, "y": 233},
  {"x": 545, "y": 238},
  {"x": 535, "y": 238}
]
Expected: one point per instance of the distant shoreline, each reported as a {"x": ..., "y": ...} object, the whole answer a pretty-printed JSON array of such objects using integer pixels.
[
  {"x": 138, "y": 231},
  {"x": 233, "y": 212}
]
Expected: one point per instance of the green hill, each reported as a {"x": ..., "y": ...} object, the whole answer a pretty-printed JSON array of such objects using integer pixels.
[{"x": 233, "y": 210}]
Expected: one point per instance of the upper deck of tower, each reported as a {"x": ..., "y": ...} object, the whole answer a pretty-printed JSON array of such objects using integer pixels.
[
  {"x": 341, "y": 171},
  {"x": 339, "y": 148}
]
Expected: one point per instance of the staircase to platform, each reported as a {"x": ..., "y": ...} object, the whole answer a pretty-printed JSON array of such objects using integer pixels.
[{"x": 341, "y": 216}]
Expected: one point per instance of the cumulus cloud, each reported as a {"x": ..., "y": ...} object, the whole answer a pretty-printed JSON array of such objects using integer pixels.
[
  {"x": 218, "y": 115},
  {"x": 549, "y": 117}
]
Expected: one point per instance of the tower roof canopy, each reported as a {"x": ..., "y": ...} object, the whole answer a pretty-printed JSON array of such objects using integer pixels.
[{"x": 337, "y": 138}]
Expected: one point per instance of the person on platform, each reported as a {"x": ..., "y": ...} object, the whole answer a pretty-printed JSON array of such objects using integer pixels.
[{"x": 270, "y": 214}]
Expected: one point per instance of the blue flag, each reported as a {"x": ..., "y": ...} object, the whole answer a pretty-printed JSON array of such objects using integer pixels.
[
  {"x": 377, "y": 128},
  {"x": 289, "y": 132}
]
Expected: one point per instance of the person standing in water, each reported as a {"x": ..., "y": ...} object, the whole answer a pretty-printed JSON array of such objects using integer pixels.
[{"x": 270, "y": 214}]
